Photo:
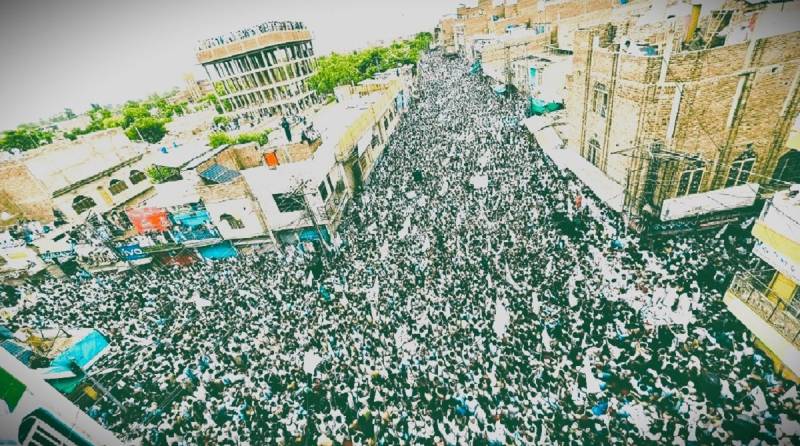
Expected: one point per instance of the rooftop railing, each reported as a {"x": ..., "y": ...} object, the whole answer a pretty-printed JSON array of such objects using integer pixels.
[
  {"x": 768, "y": 306},
  {"x": 245, "y": 33}
]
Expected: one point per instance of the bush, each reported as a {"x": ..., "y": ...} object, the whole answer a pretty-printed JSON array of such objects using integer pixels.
[
  {"x": 161, "y": 174},
  {"x": 217, "y": 139},
  {"x": 260, "y": 138}
]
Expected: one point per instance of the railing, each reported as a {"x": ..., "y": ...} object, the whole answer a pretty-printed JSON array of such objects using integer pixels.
[
  {"x": 772, "y": 311},
  {"x": 244, "y": 33}
]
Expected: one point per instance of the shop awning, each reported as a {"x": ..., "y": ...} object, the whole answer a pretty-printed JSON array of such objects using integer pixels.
[
  {"x": 543, "y": 132},
  {"x": 719, "y": 200},
  {"x": 220, "y": 251}
]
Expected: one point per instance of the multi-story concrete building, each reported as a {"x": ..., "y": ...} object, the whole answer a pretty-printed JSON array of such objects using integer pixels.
[
  {"x": 766, "y": 299},
  {"x": 671, "y": 111},
  {"x": 262, "y": 71}
]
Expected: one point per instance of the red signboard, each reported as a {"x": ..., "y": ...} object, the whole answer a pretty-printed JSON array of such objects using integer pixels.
[{"x": 149, "y": 219}]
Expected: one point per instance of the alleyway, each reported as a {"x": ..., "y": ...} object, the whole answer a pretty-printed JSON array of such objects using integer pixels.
[{"x": 476, "y": 296}]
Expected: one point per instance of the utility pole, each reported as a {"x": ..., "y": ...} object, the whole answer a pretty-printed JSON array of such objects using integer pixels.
[
  {"x": 301, "y": 191},
  {"x": 508, "y": 66}
]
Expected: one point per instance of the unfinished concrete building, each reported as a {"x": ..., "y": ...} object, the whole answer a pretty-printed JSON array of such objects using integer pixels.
[{"x": 262, "y": 70}]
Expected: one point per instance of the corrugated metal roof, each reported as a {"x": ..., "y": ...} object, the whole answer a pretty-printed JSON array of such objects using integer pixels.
[{"x": 219, "y": 174}]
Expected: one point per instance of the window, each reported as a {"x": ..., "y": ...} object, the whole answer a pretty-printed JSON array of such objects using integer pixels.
[
  {"x": 136, "y": 176},
  {"x": 82, "y": 203},
  {"x": 233, "y": 222},
  {"x": 116, "y": 186},
  {"x": 740, "y": 169},
  {"x": 788, "y": 168},
  {"x": 323, "y": 190},
  {"x": 600, "y": 102},
  {"x": 593, "y": 151},
  {"x": 288, "y": 202},
  {"x": 691, "y": 177}
]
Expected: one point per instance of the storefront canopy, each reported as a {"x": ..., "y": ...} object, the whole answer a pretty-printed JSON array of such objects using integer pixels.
[{"x": 220, "y": 251}]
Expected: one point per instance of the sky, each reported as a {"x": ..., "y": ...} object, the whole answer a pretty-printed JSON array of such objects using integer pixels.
[{"x": 58, "y": 53}]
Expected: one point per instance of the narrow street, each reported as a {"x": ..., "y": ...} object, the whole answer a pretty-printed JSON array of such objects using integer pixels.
[{"x": 476, "y": 296}]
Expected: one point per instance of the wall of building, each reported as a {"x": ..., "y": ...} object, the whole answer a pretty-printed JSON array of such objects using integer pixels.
[
  {"x": 98, "y": 190},
  {"x": 714, "y": 104},
  {"x": 233, "y": 199},
  {"x": 23, "y": 196},
  {"x": 242, "y": 209}
]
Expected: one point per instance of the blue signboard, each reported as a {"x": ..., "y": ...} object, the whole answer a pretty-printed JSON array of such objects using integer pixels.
[
  {"x": 309, "y": 234},
  {"x": 194, "y": 218},
  {"x": 132, "y": 252}
]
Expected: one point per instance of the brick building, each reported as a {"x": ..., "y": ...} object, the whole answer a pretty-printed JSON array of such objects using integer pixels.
[
  {"x": 690, "y": 109},
  {"x": 99, "y": 173}
]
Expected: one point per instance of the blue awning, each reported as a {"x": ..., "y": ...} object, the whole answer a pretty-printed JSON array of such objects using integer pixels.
[
  {"x": 194, "y": 218},
  {"x": 220, "y": 251},
  {"x": 84, "y": 352}
]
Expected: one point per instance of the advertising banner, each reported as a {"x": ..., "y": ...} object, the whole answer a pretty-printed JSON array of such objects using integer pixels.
[{"x": 149, "y": 219}]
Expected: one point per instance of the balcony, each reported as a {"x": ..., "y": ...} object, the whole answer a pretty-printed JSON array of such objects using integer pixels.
[{"x": 753, "y": 294}]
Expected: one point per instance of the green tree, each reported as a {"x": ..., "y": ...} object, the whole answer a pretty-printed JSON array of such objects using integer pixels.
[
  {"x": 133, "y": 111},
  {"x": 24, "y": 138},
  {"x": 225, "y": 104},
  {"x": 217, "y": 139},
  {"x": 69, "y": 114},
  {"x": 342, "y": 69},
  {"x": 149, "y": 129},
  {"x": 221, "y": 120},
  {"x": 161, "y": 174}
]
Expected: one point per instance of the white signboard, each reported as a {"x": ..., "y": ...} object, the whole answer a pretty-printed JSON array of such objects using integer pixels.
[{"x": 708, "y": 202}]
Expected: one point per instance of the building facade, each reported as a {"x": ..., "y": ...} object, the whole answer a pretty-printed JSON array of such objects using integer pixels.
[
  {"x": 65, "y": 181},
  {"x": 668, "y": 119},
  {"x": 261, "y": 71},
  {"x": 39, "y": 414},
  {"x": 766, "y": 300}
]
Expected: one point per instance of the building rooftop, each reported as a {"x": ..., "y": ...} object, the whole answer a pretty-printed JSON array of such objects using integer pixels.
[
  {"x": 62, "y": 165},
  {"x": 248, "y": 32},
  {"x": 174, "y": 193},
  {"x": 181, "y": 156},
  {"x": 250, "y": 39},
  {"x": 786, "y": 218}
]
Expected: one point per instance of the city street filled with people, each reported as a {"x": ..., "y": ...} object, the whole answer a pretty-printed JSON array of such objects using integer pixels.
[{"x": 474, "y": 294}]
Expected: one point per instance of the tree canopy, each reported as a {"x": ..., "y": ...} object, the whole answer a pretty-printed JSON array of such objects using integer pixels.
[
  {"x": 147, "y": 129},
  {"x": 24, "y": 138},
  {"x": 342, "y": 69},
  {"x": 218, "y": 139}
]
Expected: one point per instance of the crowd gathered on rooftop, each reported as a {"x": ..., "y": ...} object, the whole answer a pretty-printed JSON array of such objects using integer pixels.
[
  {"x": 251, "y": 31},
  {"x": 474, "y": 294}
]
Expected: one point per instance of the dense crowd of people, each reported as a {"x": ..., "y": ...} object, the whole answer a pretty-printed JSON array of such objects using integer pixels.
[
  {"x": 475, "y": 294},
  {"x": 250, "y": 31}
]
